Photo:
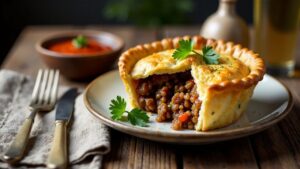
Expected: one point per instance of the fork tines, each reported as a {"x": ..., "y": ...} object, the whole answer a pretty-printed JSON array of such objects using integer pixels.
[{"x": 45, "y": 88}]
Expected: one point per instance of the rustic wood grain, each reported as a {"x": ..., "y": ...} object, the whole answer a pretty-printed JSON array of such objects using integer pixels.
[
  {"x": 279, "y": 146},
  {"x": 273, "y": 150},
  {"x": 235, "y": 154},
  {"x": 290, "y": 126},
  {"x": 129, "y": 152}
]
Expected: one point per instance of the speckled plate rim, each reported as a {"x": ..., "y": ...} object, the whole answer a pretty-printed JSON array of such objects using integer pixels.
[{"x": 193, "y": 137}]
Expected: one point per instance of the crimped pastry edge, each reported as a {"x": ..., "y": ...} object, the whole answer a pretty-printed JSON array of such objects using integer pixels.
[{"x": 256, "y": 64}]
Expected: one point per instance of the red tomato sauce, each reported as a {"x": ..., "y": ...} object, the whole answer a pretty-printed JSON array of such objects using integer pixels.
[{"x": 67, "y": 47}]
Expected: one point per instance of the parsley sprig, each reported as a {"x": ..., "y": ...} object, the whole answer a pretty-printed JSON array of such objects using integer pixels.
[
  {"x": 185, "y": 48},
  {"x": 80, "y": 41},
  {"x": 135, "y": 116}
]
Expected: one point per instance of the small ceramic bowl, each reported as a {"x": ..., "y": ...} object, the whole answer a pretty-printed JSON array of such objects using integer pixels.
[{"x": 81, "y": 66}]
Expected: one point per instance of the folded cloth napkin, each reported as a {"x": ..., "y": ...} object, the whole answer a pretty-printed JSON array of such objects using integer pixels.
[{"x": 88, "y": 139}]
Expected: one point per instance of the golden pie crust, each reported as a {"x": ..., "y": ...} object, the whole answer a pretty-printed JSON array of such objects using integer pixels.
[{"x": 224, "y": 95}]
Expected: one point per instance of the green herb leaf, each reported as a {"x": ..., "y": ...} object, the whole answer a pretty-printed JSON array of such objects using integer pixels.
[
  {"x": 209, "y": 55},
  {"x": 138, "y": 117},
  {"x": 135, "y": 116},
  {"x": 185, "y": 48},
  {"x": 117, "y": 108},
  {"x": 80, "y": 41}
]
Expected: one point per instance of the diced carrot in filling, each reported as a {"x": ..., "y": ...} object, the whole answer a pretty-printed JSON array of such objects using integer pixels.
[
  {"x": 184, "y": 117},
  {"x": 172, "y": 97}
]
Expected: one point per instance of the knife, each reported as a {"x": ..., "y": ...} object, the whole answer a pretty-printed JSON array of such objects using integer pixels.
[{"x": 58, "y": 154}]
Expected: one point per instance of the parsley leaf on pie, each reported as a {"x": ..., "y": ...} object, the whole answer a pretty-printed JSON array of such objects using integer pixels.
[
  {"x": 185, "y": 48},
  {"x": 209, "y": 55}
]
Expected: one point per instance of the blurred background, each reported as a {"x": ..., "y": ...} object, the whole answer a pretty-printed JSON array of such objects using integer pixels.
[{"x": 16, "y": 14}]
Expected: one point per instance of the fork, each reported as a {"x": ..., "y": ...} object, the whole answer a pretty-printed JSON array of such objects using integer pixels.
[{"x": 43, "y": 98}]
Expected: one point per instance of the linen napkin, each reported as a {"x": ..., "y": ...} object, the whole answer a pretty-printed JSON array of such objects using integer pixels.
[{"x": 88, "y": 139}]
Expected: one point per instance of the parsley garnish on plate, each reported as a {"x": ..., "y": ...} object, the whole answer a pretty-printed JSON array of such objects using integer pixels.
[
  {"x": 185, "y": 48},
  {"x": 117, "y": 108},
  {"x": 80, "y": 41},
  {"x": 138, "y": 117},
  {"x": 135, "y": 116}
]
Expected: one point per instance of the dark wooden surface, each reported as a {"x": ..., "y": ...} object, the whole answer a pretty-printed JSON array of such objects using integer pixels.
[{"x": 276, "y": 147}]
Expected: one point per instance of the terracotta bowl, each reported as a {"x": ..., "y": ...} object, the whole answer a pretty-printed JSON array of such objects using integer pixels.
[{"x": 83, "y": 66}]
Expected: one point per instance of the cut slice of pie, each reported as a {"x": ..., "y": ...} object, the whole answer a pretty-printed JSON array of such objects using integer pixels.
[{"x": 189, "y": 92}]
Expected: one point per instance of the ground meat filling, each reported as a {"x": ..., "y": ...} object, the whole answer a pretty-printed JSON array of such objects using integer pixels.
[{"x": 173, "y": 97}]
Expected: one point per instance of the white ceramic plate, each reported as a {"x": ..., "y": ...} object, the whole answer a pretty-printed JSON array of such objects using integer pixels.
[{"x": 271, "y": 102}]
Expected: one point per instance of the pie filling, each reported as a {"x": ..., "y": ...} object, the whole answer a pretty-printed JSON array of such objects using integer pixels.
[{"x": 172, "y": 96}]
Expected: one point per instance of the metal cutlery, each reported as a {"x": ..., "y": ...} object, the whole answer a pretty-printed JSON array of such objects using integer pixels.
[
  {"x": 44, "y": 97},
  {"x": 58, "y": 154}
]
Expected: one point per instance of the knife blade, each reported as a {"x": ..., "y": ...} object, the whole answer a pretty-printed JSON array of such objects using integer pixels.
[
  {"x": 58, "y": 154},
  {"x": 65, "y": 106}
]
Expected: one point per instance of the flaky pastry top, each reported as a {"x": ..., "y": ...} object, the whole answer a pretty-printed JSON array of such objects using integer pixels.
[{"x": 238, "y": 68}]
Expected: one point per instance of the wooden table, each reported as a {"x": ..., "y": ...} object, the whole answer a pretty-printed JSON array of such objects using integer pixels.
[{"x": 276, "y": 147}]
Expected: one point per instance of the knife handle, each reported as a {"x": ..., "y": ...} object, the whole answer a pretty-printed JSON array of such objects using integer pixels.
[
  {"x": 18, "y": 146},
  {"x": 58, "y": 153}
]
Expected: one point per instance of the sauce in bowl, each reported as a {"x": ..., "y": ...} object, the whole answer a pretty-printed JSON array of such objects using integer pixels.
[{"x": 67, "y": 47}]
